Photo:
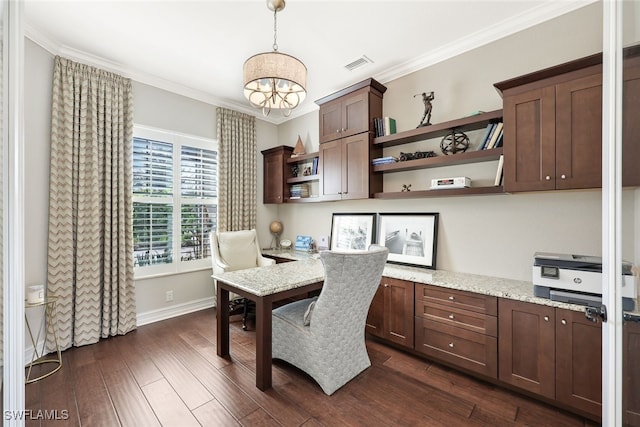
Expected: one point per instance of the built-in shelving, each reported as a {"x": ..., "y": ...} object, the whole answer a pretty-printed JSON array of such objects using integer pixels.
[
  {"x": 465, "y": 124},
  {"x": 307, "y": 178},
  {"x": 303, "y": 158}
]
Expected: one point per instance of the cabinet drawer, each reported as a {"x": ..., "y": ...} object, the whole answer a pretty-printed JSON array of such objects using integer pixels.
[
  {"x": 465, "y": 319},
  {"x": 468, "y": 350},
  {"x": 459, "y": 299}
]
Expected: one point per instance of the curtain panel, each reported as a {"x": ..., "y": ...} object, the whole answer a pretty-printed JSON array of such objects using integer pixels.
[
  {"x": 237, "y": 170},
  {"x": 90, "y": 245}
]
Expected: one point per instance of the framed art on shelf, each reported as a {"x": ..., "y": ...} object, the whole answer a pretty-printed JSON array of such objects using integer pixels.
[
  {"x": 352, "y": 231},
  {"x": 410, "y": 237}
]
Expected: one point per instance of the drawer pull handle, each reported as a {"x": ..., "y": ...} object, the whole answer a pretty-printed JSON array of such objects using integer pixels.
[
  {"x": 451, "y": 345},
  {"x": 451, "y": 298},
  {"x": 451, "y": 316},
  {"x": 563, "y": 321}
]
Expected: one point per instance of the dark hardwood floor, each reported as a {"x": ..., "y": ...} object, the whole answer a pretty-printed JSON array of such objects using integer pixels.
[{"x": 167, "y": 373}]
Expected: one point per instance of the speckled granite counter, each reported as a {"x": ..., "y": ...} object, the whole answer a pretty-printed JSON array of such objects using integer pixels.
[{"x": 487, "y": 285}]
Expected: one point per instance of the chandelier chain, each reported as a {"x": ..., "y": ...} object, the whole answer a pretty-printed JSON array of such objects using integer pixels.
[{"x": 275, "y": 30}]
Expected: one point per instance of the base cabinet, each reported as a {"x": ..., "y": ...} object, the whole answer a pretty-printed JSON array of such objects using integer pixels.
[
  {"x": 391, "y": 312},
  {"x": 631, "y": 374},
  {"x": 552, "y": 352},
  {"x": 457, "y": 327}
]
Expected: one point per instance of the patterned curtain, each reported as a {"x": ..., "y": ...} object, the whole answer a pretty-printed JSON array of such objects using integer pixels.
[
  {"x": 237, "y": 171},
  {"x": 90, "y": 262}
]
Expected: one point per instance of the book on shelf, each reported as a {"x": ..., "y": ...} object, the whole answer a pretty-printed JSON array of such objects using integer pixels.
[
  {"x": 499, "y": 141},
  {"x": 487, "y": 136},
  {"x": 299, "y": 191},
  {"x": 314, "y": 168},
  {"x": 494, "y": 136},
  {"x": 389, "y": 126},
  {"x": 378, "y": 126},
  {"x": 383, "y": 160},
  {"x": 499, "y": 171}
]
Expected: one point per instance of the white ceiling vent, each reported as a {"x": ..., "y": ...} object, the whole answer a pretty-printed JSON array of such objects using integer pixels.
[{"x": 363, "y": 60}]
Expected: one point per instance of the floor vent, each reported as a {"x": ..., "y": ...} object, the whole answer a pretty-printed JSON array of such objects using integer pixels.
[{"x": 363, "y": 60}]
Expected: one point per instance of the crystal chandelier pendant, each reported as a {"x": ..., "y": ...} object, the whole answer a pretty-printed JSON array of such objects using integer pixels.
[{"x": 274, "y": 80}]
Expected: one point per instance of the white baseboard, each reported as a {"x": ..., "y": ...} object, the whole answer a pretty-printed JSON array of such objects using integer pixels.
[{"x": 174, "y": 311}]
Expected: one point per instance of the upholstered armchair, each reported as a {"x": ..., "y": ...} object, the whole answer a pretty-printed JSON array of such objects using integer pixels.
[
  {"x": 325, "y": 336},
  {"x": 236, "y": 250}
]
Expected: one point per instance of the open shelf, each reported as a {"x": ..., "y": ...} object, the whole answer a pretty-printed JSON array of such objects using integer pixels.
[
  {"x": 464, "y": 124},
  {"x": 441, "y": 193},
  {"x": 303, "y": 157},
  {"x": 297, "y": 179},
  {"x": 438, "y": 161}
]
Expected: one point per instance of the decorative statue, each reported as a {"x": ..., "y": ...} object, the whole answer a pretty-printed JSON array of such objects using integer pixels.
[{"x": 426, "y": 99}]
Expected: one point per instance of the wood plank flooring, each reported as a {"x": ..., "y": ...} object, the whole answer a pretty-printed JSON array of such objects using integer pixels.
[{"x": 168, "y": 374}]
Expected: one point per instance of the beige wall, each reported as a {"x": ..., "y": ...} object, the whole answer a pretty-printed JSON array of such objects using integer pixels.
[{"x": 492, "y": 235}]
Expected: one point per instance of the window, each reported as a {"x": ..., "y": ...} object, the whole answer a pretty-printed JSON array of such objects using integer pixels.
[{"x": 174, "y": 201}]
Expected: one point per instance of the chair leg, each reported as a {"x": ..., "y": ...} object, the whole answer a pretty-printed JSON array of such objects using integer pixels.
[{"x": 245, "y": 315}]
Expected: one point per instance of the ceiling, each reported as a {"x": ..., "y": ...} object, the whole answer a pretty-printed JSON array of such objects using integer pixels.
[{"x": 197, "y": 48}]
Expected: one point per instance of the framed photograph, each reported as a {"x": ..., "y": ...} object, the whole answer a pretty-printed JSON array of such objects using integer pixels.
[
  {"x": 410, "y": 237},
  {"x": 352, "y": 232}
]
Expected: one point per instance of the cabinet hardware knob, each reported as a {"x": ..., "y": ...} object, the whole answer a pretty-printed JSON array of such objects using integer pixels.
[
  {"x": 451, "y": 316},
  {"x": 548, "y": 178},
  {"x": 337, "y": 130},
  {"x": 386, "y": 285},
  {"x": 546, "y": 318},
  {"x": 451, "y": 298},
  {"x": 451, "y": 344},
  {"x": 563, "y": 176},
  {"x": 564, "y": 322}
]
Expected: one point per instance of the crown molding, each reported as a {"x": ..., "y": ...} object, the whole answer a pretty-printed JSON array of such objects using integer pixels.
[
  {"x": 56, "y": 48},
  {"x": 542, "y": 13}
]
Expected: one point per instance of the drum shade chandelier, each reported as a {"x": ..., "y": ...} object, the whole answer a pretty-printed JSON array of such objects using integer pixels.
[{"x": 274, "y": 80}]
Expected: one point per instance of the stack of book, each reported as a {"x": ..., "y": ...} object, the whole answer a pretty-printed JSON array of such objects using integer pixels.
[
  {"x": 384, "y": 126},
  {"x": 492, "y": 136},
  {"x": 299, "y": 191},
  {"x": 383, "y": 160}
]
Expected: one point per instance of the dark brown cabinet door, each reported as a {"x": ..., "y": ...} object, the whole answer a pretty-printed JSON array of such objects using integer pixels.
[
  {"x": 275, "y": 174},
  {"x": 330, "y": 120},
  {"x": 331, "y": 170},
  {"x": 631, "y": 374},
  {"x": 355, "y": 162},
  {"x": 355, "y": 114},
  {"x": 579, "y": 361},
  {"x": 529, "y": 140},
  {"x": 391, "y": 312},
  {"x": 526, "y": 346},
  {"x": 579, "y": 133},
  {"x": 631, "y": 123}
]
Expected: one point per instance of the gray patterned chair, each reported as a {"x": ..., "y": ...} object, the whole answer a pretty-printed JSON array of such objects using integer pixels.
[
  {"x": 236, "y": 250},
  {"x": 324, "y": 336}
]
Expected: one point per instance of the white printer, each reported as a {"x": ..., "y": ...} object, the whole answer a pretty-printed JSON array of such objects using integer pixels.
[{"x": 577, "y": 279}]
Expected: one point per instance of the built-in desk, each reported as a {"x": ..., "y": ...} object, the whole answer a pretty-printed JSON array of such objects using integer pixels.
[{"x": 264, "y": 286}]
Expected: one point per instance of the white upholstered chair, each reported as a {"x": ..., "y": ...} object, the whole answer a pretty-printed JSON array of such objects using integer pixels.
[
  {"x": 236, "y": 250},
  {"x": 327, "y": 341}
]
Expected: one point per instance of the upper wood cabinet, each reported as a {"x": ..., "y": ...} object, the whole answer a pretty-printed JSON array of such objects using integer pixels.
[
  {"x": 351, "y": 110},
  {"x": 553, "y": 126},
  {"x": 275, "y": 174}
]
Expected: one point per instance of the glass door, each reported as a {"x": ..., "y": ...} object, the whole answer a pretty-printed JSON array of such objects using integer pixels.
[{"x": 621, "y": 213}]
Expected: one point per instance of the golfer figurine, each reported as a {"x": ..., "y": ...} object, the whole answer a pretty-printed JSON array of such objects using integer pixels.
[{"x": 426, "y": 99}]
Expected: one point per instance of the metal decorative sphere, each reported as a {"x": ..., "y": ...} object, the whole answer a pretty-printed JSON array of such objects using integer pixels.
[{"x": 454, "y": 142}]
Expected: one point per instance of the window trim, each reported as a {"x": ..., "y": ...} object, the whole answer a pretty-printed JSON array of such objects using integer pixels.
[{"x": 176, "y": 139}]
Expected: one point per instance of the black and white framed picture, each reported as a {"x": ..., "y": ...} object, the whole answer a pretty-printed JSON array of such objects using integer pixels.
[
  {"x": 352, "y": 231},
  {"x": 410, "y": 237}
]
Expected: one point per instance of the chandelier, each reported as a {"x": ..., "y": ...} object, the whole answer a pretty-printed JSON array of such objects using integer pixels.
[{"x": 274, "y": 80}]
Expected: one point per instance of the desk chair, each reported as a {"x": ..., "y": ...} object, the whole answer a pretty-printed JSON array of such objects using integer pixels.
[
  {"x": 324, "y": 336},
  {"x": 236, "y": 250}
]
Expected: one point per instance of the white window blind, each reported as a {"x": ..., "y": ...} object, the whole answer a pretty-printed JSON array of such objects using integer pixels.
[{"x": 175, "y": 201}]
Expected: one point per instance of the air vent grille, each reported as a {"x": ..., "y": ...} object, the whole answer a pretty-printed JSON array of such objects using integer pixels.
[{"x": 363, "y": 60}]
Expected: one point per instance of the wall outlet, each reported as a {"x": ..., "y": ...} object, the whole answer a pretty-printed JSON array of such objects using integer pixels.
[{"x": 168, "y": 296}]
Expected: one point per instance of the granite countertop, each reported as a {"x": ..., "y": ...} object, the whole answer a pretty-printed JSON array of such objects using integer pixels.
[{"x": 308, "y": 265}]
